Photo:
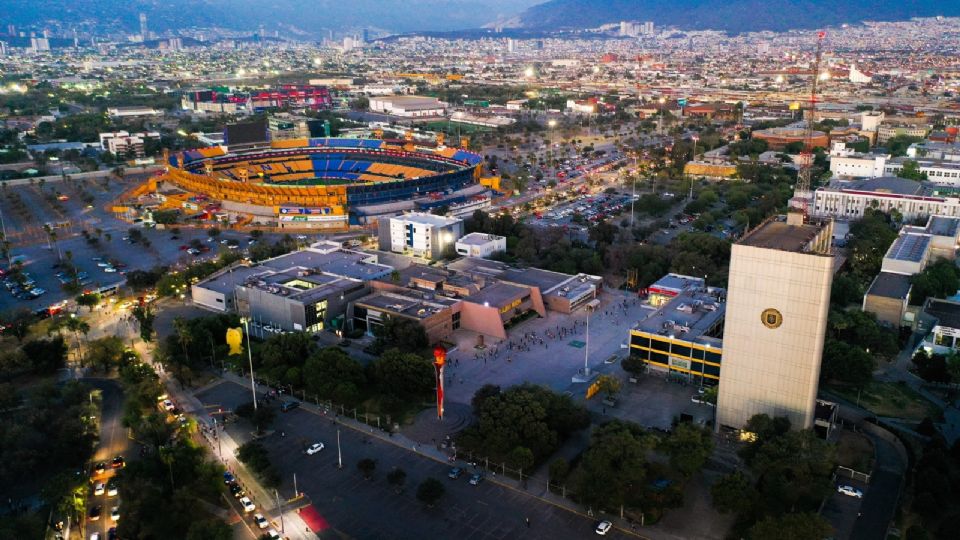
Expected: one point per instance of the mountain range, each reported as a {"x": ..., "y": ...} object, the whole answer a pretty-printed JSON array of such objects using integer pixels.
[
  {"x": 312, "y": 18},
  {"x": 729, "y": 15},
  {"x": 307, "y": 17}
]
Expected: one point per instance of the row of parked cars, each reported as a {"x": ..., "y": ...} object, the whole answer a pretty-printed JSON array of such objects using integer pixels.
[
  {"x": 248, "y": 506},
  {"x": 24, "y": 287}
]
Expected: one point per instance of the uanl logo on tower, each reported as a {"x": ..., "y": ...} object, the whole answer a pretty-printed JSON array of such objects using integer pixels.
[{"x": 771, "y": 318}]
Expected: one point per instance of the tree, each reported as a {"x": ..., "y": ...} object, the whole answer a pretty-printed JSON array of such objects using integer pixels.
[
  {"x": 45, "y": 356},
  {"x": 521, "y": 458},
  {"x": 145, "y": 317},
  {"x": 402, "y": 375},
  {"x": 846, "y": 363},
  {"x": 396, "y": 478},
  {"x": 88, "y": 300},
  {"x": 261, "y": 417},
  {"x": 733, "y": 493},
  {"x": 106, "y": 353},
  {"x": 366, "y": 466},
  {"x": 689, "y": 447},
  {"x": 481, "y": 395},
  {"x": 911, "y": 170},
  {"x": 806, "y": 526},
  {"x": 333, "y": 374},
  {"x": 612, "y": 471},
  {"x": 430, "y": 491},
  {"x": 609, "y": 385},
  {"x": 404, "y": 334}
]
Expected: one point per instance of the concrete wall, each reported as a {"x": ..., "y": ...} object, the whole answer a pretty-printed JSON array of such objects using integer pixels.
[
  {"x": 211, "y": 299},
  {"x": 888, "y": 310},
  {"x": 482, "y": 319}
]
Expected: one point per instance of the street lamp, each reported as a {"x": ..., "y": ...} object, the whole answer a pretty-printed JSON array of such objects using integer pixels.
[
  {"x": 586, "y": 349},
  {"x": 253, "y": 387}
]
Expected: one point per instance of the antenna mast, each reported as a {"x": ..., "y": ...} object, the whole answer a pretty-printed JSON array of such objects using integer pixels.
[{"x": 802, "y": 193}]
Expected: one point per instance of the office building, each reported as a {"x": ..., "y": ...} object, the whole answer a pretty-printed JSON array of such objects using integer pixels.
[
  {"x": 144, "y": 34},
  {"x": 419, "y": 234},
  {"x": 940, "y": 324},
  {"x": 125, "y": 144},
  {"x": 481, "y": 245},
  {"x": 776, "y": 317},
  {"x": 681, "y": 336}
]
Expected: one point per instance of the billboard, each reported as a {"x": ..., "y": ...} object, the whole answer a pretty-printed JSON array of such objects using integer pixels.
[
  {"x": 311, "y": 218},
  {"x": 321, "y": 210}
]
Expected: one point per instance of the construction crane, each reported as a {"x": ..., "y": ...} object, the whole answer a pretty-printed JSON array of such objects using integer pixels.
[{"x": 801, "y": 193}]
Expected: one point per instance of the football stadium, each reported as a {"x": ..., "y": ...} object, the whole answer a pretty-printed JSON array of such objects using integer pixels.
[{"x": 323, "y": 183}]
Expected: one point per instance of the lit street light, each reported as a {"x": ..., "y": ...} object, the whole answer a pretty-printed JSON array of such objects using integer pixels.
[{"x": 253, "y": 387}]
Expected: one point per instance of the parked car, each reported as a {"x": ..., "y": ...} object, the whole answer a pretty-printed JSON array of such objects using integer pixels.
[
  {"x": 476, "y": 479},
  {"x": 261, "y": 521},
  {"x": 850, "y": 491},
  {"x": 455, "y": 473},
  {"x": 314, "y": 448},
  {"x": 603, "y": 528},
  {"x": 288, "y": 406},
  {"x": 247, "y": 504}
]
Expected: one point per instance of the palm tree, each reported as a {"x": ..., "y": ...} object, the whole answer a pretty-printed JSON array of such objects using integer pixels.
[
  {"x": 78, "y": 326},
  {"x": 183, "y": 336}
]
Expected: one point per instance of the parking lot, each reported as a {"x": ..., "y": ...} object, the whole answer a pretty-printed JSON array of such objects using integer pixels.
[{"x": 361, "y": 508}]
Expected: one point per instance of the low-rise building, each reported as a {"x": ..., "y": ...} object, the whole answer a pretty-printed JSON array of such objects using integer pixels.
[
  {"x": 682, "y": 332},
  {"x": 122, "y": 143},
  {"x": 913, "y": 200},
  {"x": 481, "y": 245},
  {"x": 420, "y": 234},
  {"x": 940, "y": 323},
  {"x": 408, "y": 106}
]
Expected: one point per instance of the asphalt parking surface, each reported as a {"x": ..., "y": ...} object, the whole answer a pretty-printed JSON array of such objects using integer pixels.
[{"x": 362, "y": 509}]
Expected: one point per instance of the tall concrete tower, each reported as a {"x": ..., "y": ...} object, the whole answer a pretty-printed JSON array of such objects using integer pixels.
[
  {"x": 778, "y": 297},
  {"x": 144, "y": 33}
]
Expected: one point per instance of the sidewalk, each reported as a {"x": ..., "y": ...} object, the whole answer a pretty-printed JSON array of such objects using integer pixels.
[{"x": 265, "y": 501}]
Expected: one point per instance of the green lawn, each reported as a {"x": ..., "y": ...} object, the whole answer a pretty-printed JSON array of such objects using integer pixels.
[{"x": 890, "y": 399}]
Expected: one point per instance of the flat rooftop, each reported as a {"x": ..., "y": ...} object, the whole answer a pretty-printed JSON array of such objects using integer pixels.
[
  {"x": 545, "y": 280},
  {"x": 427, "y": 219},
  {"x": 478, "y": 239},
  {"x": 689, "y": 316},
  {"x": 885, "y": 184},
  {"x": 677, "y": 282},
  {"x": 409, "y": 303},
  {"x": 302, "y": 285},
  {"x": 890, "y": 285},
  {"x": 943, "y": 226},
  {"x": 226, "y": 281},
  {"x": 497, "y": 295},
  {"x": 946, "y": 312},
  {"x": 782, "y": 236},
  {"x": 340, "y": 262},
  {"x": 908, "y": 247}
]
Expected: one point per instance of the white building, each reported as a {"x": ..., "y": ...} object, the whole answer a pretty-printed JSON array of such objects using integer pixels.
[
  {"x": 481, "y": 245},
  {"x": 126, "y": 112},
  {"x": 859, "y": 77},
  {"x": 848, "y": 200},
  {"x": 846, "y": 163},
  {"x": 776, "y": 319},
  {"x": 419, "y": 234},
  {"x": 942, "y": 172},
  {"x": 408, "y": 106},
  {"x": 119, "y": 143}
]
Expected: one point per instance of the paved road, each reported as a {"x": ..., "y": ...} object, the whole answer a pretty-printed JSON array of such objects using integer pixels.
[
  {"x": 113, "y": 442},
  {"x": 880, "y": 501},
  {"x": 359, "y": 508}
]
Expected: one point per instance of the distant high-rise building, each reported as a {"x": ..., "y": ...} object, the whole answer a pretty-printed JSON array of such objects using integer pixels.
[
  {"x": 11, "y": 30},
  {"x": 144, "y": 32},
  {"x": 46, "y": 34},
  {"x": 777, "y": 303},
  {"x": 366, "y": 35},
  {"x": 3, "y": 48},
  {"x": 511, "y": 45},
  {"x": 648, "y": 28},
  {"x": 39, "y": 44},
  {"x": 175, "y": 44},
  {"x": 763, "y": 48}
]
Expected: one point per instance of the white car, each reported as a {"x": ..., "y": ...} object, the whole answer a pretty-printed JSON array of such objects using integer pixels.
[
  {"x": 95, "y": 536},
  {"x": 168, "y": 405},
  {"x": 314, "y": 448},
  {"x": 98, "y": 489},
  {"x": 110, "y": 270},
  {"x": 247, "y": 504},
  {"x": 274, "y": 535},
  {"x": 103, "y": 264},
  {"x": 850, "y": 491},
  {"x": 111, "y": 489},
  {"x": 603, "y": 528},
  {"x": 261, "y": 521},
  {"x": 115, "y": 513}
]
